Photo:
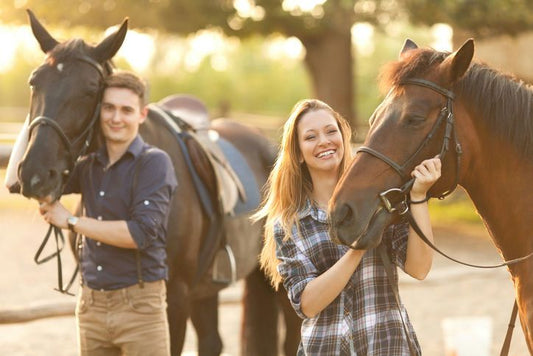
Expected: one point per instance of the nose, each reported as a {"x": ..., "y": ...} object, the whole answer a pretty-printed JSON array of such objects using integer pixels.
[
  {"x": 323, "y": 140},
  {"x": 37, "y": 183},
  {"x": 342, "y": 221}
]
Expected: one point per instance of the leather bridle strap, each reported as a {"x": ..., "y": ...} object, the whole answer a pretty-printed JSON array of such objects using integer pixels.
[
  {"x": 509, "y": 335},
  {"x": 419, "y": 232},
  {"x": 87, "y": 134},
  {"x": 387, "y": 264}
]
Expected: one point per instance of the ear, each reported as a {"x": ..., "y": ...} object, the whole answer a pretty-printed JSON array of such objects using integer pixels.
[
  {"x": 46, "y": 41},
  {"x": 458, "y": 62},
  {"x": 407, "y": 46},
  {"x": 106, "y": 49}
]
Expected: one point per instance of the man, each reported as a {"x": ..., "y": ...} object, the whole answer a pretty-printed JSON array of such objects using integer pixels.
[{"x": 126, "y": 189}]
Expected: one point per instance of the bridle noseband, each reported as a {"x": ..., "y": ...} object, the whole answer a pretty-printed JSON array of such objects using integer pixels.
[
  {"x": 396, "y": 199},
  {"x": 88, "y": 132}
]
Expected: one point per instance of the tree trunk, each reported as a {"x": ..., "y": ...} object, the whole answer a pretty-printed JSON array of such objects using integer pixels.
[{"x": 330, "y": 64}]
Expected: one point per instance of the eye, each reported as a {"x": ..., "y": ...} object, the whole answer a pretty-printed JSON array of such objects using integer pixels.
[
  {"x": 415, "y": 119},
  {"x": 309, "y": 137}
]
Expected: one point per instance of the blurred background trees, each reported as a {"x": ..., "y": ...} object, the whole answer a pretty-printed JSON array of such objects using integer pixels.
[{"x": 261, "y": 56}]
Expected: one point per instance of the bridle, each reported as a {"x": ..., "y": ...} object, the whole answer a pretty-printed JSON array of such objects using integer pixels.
[
  {"x": 86, "y": 136},
  {"x": 88, "y": 132},
  {"x": 395, "y": 199}
]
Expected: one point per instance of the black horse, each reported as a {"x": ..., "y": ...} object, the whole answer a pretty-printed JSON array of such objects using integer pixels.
[{"x": 66, "y": 90}]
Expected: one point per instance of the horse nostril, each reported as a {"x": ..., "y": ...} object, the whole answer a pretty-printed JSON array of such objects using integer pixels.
[
  {"x": 344, "y": 215},
  {"x": 52, "y": 174}
]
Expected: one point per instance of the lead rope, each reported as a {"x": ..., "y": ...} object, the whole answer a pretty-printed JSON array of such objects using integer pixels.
[
  {"x": 509, "y": 335},
  {"x": 387, "y": 264}
]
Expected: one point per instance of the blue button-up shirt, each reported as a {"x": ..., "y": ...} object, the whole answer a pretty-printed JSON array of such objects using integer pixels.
[{"x": 112, "y": 194}]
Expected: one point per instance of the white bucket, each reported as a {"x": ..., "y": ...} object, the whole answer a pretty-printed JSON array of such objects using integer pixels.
[{"x": 467, "y": 336}]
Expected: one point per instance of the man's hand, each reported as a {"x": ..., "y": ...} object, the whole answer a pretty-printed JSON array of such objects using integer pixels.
[{"x": 55, "y": 213}]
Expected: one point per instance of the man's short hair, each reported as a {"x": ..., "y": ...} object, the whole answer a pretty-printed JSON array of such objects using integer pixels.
[{"x": 127, "y": 80}]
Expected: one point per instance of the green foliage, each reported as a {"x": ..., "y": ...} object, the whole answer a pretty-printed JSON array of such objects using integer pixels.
[
  {"x": 481, "y": 18},
  {"x": 460, "y": 210}
]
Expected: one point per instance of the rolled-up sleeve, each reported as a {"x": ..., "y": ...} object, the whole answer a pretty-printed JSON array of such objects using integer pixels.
[
  {"x": 295, "y": 268},
  {"x": 152, "y": 193}
]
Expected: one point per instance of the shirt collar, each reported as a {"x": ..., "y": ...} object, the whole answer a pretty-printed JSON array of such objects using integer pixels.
[
  {"x": 315, "y": 212},
  {"x": 135, "y": 148}
]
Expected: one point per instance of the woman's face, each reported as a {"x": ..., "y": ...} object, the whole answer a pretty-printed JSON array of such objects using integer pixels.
[{"x": 320, "y": 141}]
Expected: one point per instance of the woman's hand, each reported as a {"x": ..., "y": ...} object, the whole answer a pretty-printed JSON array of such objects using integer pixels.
[{"x": 425, "y": 174}]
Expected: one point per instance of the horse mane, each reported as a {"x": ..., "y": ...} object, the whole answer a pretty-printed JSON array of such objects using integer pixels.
[
  {"x": 68, "y": 49},
  {"x": 503, "y": 101}
]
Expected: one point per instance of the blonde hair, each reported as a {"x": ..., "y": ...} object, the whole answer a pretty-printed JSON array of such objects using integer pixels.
[{"x": 289, "y": 183}]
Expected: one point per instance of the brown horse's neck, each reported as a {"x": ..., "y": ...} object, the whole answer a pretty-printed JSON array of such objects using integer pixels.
[{"x": 499, "y": 183}]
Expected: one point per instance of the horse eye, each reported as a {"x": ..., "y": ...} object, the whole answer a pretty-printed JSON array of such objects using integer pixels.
[{"x": 415, "y": 119}]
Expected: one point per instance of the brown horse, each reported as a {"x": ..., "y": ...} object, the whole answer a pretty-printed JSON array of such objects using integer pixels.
[
  {"x": 64, "y": 112},
  {"x": 479, "y": 121}
]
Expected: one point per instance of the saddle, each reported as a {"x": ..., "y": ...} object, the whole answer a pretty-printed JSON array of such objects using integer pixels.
[{"x": 195, "y": 114}]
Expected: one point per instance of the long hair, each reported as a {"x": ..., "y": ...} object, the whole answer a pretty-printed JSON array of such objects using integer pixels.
[{"x": 289, "y": 184}]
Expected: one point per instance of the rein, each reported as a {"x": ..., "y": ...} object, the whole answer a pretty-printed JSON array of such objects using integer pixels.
[
  {"x": 395, "y": 200},
  {"x": 87, "y": 136}
]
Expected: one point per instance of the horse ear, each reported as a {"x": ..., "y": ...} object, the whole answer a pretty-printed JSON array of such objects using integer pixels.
[
  {"x": 106, "y": 49},
  {"x": 46, "y": 41},
  {"x": 407, "y": 46},
  {"x": 458, "y": 62}
]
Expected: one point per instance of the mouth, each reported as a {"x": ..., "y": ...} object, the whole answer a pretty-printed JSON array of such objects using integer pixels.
[
  {"x": 325, "y": 154},
  {"x": 368, "y": 237}
]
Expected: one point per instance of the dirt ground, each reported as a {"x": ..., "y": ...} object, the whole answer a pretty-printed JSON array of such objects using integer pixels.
[{"x": 450, "y": 291}]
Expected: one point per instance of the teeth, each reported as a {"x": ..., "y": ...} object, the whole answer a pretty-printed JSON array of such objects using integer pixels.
[{"x": 326, "y": 153}]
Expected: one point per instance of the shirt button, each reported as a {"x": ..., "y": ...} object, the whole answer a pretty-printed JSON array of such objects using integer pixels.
[
  {"x": 99, "y": 218},
  {"x": 146, "y": 202},
  {"x": 98, "y": 243},
  {"x": 102, "y": 193},
  {"x": 98, "y": 268}
]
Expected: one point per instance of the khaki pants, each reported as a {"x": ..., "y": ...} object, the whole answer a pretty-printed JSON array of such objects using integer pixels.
[{"x": 130, "y": 321}]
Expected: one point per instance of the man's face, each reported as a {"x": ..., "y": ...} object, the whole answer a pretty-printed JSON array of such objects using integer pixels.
[{"x": 120, "y": 115}]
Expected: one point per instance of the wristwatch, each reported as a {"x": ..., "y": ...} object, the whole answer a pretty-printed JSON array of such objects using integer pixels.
[{"x": 72, "y": 221}]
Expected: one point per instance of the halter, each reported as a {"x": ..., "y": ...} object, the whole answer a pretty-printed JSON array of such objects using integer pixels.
[
  {"x": 395, "y": 199},
  {"x": 87, "y": 134}
]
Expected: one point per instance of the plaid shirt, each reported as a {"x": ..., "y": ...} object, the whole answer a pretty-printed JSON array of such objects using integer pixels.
[{"x": 364, "y": 318}]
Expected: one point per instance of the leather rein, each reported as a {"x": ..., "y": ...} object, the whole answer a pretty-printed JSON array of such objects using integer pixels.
[
  {"x": 396, "y": 200},
  {"x": 87, "y": 136}
]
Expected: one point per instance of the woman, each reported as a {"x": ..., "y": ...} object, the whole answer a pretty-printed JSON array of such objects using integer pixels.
[{"x": 342, "y": 294}]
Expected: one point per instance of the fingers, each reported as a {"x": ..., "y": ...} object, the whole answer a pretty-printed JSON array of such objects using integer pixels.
[{"x": 429, "y": 170}]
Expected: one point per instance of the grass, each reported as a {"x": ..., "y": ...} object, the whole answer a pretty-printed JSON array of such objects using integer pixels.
[{"x": 457, "y": 208}]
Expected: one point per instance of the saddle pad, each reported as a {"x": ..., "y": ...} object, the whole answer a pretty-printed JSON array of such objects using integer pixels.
[{"x": 246, "y": 176}]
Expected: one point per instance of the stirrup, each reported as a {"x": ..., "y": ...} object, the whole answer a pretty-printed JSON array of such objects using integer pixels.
[{"x": 224, "y": 266}]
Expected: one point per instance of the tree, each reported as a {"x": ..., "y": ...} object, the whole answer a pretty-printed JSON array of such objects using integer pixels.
[
  {"x": 323, "y": 26},
  {"x": 480, "y": 18}
]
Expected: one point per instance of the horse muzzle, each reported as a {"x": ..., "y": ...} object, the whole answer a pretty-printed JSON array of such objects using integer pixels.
[
  {"x": 40, "y": 183},
  {"x": 347, "y": 227}
]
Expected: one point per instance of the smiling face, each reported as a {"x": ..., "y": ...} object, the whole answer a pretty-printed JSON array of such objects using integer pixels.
[
  {"x": 320, "y": 142},
  {"x": 120, "y": 115}
]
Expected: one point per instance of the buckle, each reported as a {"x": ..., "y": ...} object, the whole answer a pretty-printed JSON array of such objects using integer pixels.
[{"x": 399, "y": 196}]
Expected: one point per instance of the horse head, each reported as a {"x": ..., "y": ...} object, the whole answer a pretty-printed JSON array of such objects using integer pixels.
[
  {"x": 414, "y": 122},
  {"x": 65, "y": 94}
]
